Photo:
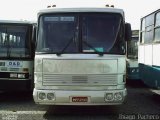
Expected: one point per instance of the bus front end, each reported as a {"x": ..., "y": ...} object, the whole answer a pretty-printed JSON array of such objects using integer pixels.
[
  {"x": 80, "y": 57},
  {"x": 16, "y": 75},
  {"x": 80, "y": 80},
  {"x": 16, "y": 55}
]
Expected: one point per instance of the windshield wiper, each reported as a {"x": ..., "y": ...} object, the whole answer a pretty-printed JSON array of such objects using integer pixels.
[
  {"x": 73, "y": 39},
  {"x": 96, "y": 51},
  {"x": 61, "y": 52},
  {"x": 8, "y": 44}
]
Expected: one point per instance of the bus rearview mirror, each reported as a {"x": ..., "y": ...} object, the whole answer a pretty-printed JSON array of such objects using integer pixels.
[{"x": 128, "y": 32}]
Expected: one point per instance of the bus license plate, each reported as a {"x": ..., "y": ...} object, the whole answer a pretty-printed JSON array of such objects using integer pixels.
[{"x": 79, "y": 99}]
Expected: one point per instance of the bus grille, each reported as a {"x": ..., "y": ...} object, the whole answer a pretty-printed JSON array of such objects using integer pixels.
[{"x": 51, "y": 79}]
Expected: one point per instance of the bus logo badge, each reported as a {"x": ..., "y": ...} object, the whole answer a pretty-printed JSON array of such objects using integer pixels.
[{"x": 14, "y": 64}]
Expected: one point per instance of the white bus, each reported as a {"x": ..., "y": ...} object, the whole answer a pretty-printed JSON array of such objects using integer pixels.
[
  {"x": 16, "y": 55},
  {"x": 132, "y": 57},
  {"x": 80, "y": 56},
  {"x": 148, "y": 51}
]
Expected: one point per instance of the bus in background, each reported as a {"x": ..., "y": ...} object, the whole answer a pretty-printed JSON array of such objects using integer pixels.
[
  {"x": 132, "y": 57},
  {"x": 80, "y": 56},
  {"x": 149, "y": 50},
  {"x": 16, "y": 55}
]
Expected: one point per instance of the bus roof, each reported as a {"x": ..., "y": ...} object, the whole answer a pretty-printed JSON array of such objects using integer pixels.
[
  {"x": 86, "y": 9},
  {"x": 16, "y": 22},
  {"x": 151, "y": 13}
]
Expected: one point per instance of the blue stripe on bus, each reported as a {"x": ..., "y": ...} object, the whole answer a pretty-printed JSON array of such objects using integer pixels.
[{"x": 150, "y": 75}]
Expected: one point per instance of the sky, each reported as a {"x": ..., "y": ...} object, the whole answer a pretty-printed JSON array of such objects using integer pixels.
[{"x": 27, "y": 9}]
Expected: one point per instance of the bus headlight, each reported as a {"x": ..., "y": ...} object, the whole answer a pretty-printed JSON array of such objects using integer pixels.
[
  {"x": 42, "y": 96},
  {"x": 50, "y": 96},
  {"x": 21, "y": 75},
  {"x": 109, "y": 96},
  {"x": 118, "y": 96}
]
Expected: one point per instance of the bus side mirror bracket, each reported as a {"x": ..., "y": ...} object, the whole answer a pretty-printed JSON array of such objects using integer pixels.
[{"x": 128, "y": 31}]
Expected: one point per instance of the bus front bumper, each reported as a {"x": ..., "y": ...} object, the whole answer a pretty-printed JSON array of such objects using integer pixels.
[{"x": 62, "y": 97}]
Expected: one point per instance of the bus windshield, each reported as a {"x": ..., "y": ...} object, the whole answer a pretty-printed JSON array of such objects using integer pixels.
[
  {"x": 81, "y": 33},
  {"x": 14, "y": 41}
]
